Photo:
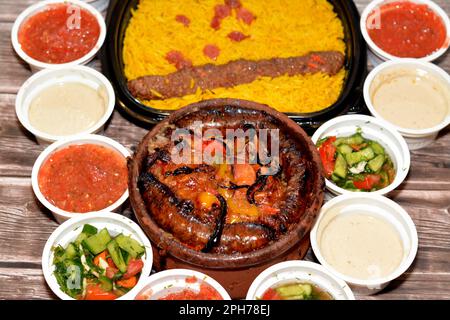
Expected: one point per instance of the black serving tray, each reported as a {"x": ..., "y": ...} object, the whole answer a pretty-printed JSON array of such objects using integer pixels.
[{"x": 350, "y": 100}]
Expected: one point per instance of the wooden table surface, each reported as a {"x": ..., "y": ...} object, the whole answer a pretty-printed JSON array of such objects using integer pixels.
[{"x": 25, "y": 225}]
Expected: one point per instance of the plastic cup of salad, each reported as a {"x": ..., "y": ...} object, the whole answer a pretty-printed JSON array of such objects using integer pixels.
[
  {"x": 298, "y": 280},
  {"x": 181, "y": 284},
  {"x": 97, "y": 256},
  {"x": 58, "y": 33},
  {"x": 362, "y": 154},
  {"x": 396, "y": 29},
  {"x": 81, "y": 174}
]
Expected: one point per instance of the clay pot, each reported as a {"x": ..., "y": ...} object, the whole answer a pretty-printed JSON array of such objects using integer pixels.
[{"x": 234, "y": 272}]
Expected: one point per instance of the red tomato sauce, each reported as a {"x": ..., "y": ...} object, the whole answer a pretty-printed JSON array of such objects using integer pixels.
[
  {"x": 56, "y": 35},
  {"x": 407, "y": 30},
  {"x": 206, "y": 293},
  {"x": 83, "y": 178}
]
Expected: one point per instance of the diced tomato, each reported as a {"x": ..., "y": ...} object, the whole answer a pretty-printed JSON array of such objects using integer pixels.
[
  {"x": 211, "y": 51},
  {"x": 192, "y": 279},
  {"x": 271, "y": 294},
  {"x": 183, "y": 20},
  {"x": 95, "y": 292},
  {"x": 327, "y": 153},
  {"x": 177, "y": 58},
  {"x": 111, "y": 263},
  {"x": 245, "y": 15},
  {"x": 369, "y": 182},
  {"x": 134, "y": 267},
  {"x": 234, "y": 4},
  {"x": 111, "y": 272},
  {"x": 244, "y": 174},
  {"x": 222, "y": 11},
  {"x": 213, "y": 147},
  {"x": 102, "y": 256},
  {"x": 127, "y": 283},
  {"x": 237, "y": 36}
]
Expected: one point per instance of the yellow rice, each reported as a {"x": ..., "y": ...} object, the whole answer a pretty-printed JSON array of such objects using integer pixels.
[{"x": 283, "y": 28}]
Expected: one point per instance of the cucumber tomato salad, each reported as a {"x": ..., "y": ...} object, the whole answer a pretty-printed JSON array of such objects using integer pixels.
[
  {"x": 97, "y": 266},
  {"x": 355, "y": 163}
]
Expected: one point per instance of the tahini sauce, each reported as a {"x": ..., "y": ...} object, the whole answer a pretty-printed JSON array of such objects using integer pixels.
[
  {"x": 67, "y": 108},
  {"x": 361, "y": 246},
  {"x": 410, "y": 98}
]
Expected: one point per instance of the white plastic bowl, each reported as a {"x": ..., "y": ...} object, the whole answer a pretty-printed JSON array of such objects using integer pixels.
[
  {"x": 419, "y": 138},
  {"x": 171, "y": 281},
  {"x": 383, "y": 55},
  {"x": 373, "y": 129},
  {"x": 36, "y": 65},
  {"x": 380, "y": 207},
  {"x": 59, "y": 214},
  {"x": 46, "y": 78},
  {"x": 100, "y": 5},
  {"x": 68, "y": 232},
  {"x": 295, "y": 271}
]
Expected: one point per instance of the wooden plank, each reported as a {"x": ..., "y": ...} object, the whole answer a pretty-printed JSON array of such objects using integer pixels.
[
  {"x": 430, "y": 169},
  {"x": 23, "y": 218},
  {"x": 425, "y": 194},
  {"x": 20, "y": 283}
]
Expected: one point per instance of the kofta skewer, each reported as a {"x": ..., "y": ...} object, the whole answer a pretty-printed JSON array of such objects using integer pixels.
[{"x": 208, "y": 77}]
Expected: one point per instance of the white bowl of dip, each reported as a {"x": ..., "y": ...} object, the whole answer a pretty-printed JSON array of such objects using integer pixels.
[
  {"x": 173, "y": 281},
  {"x": 60, "y": 214},
  {"x": 380, "y": 54},
  {"x": 412, "y": 95},
  {"x": 366, "y": 240},
  {"x": 69, "y": 231},
  {"x": 373, "y": 129},
  {"x": 56, "y": 104},
  {"x": 36, "y": 65},
  {"x": 299, "y": 272}
]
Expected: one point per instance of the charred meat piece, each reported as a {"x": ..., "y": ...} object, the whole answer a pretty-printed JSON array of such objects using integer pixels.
[
  {"x": 174, "y": 216},
  {"x": 207, "y": 77}
]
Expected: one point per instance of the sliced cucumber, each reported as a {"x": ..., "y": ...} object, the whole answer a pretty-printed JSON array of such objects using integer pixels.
[
  {"x": 357, "y": 138},
  {"x": 376, "y": 147},
  {"x": 128, "y": 244},
  {"x": 340, "y": 168},
  {"x": 89, "y": 229},
  {"x": 365, "y": 154},
  {"x": 295, "y": 290},
  {"x": 97, "y": 243},
  {"x": 376, "y": 163},
  {"x": 106, "y": 283},
  {"x": 82, "y": 236},
  {"x": 344, "y": 148},
  {"x": 71, "y": 251},
  {"x": 116, "y": 255}
]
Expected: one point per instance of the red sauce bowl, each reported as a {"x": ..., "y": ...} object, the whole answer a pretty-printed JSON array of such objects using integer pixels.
[
  {"x": 386, "y": 11},
  {"x": 86, "y": 52},
  {"x": 60, "y": 214}
]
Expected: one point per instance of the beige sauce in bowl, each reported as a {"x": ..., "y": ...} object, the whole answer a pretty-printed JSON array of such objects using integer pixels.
[
  {"x": 410, "y": 98},
  {"x": 67, "y": 108},
  {"x": 360, "y": 245}
]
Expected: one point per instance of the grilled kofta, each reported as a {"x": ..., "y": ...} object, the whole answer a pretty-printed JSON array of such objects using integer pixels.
[{"x": 208, "y": 77}]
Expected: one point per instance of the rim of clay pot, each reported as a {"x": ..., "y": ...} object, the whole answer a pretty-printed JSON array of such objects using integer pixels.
[{"x": 169, "y": 245}]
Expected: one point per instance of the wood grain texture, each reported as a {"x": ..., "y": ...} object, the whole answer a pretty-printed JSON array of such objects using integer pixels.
[{"x": 25, "y": 225}]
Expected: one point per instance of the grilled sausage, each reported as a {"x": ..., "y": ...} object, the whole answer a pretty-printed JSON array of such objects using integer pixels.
[{"x": 173, "y": 215}]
